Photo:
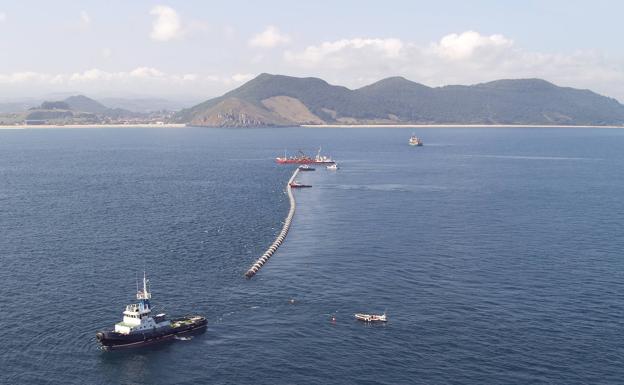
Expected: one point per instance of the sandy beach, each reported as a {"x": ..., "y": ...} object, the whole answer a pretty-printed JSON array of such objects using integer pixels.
[{"x": 38, "y": 126}]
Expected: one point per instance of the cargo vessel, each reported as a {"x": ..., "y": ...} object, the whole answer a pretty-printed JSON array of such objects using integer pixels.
[{"x": 302, "y": 158}]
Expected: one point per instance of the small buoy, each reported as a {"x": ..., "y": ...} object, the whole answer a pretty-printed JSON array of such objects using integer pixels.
[{"x": 292, "y": 301}]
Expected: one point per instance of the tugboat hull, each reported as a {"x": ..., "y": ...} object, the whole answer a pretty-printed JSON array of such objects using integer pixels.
[{"x": 110, "y": 339}]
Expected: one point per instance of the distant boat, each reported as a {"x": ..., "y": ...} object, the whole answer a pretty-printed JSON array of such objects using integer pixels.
[
  {"x": 305, "y": 159},
  {"x": 371, "y": 317},
  {"x": 305, "y": 167},
  {"x": 296, "y": 184},
  {"x": 333, "y": 167},
  {"x": 415, "y": 141}
]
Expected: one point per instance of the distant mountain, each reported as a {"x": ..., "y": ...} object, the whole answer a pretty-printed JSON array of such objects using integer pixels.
[
  {"x": 83, "y": 103},
  {"x": 276, "y": 100},
  {"x": 77, "y": 108}
]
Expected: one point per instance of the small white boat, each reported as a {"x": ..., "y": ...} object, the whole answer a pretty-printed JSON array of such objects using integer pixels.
[
  {"x": 333, "y": 167},
  {"x": 371, "y": 317}
]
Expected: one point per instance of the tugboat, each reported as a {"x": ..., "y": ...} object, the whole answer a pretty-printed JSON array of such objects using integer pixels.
[
  {"x": 139, "y": 327},
  {"x": 415, "y": 141},
  {"x": 305, "y": 167},
  {"x": 371, "y": 317},
  {"x": 302, "y": 158}
]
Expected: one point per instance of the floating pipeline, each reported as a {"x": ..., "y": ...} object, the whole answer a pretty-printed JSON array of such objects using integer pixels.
[{"x": 281, "y": 236}]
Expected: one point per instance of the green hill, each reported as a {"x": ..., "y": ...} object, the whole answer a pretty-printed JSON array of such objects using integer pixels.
[{"x": 277, "y": 100}]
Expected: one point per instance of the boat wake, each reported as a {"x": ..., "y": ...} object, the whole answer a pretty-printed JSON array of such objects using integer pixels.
[{"x": 386, "y": 187}]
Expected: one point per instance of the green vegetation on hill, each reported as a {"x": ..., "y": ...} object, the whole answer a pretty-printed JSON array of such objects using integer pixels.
[
  {"x": 83, "y": 103},
  {"x": 397, "y": 100},
  {"x": 56, "y": 105}
]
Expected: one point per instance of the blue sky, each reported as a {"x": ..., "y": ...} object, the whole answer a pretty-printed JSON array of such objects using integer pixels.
[{"x": 197, "y": 49}]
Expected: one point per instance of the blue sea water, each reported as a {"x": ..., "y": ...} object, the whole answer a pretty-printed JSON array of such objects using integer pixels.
[{"x": 497, "y": 254}]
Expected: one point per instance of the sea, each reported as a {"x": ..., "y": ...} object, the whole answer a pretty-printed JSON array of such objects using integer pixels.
[{"x": 496, "y": 253}]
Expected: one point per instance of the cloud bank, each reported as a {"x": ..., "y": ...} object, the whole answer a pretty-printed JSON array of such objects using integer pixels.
[
  {"x": 457, "y": 58},
  {"x": 140, "y": 80},
  {"x": 467, "y": 57}
]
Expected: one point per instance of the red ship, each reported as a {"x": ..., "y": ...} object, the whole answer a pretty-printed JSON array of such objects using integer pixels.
[{"x": 305, "y": 159}]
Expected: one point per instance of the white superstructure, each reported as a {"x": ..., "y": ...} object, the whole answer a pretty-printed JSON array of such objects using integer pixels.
[{"x": 137, "y": 316}]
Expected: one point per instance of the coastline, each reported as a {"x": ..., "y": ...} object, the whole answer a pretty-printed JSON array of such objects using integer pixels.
[
  {"x": 453, "y": 126},
  {"x": 47, "y": 126},
  {"x": 180, "y": 125}
]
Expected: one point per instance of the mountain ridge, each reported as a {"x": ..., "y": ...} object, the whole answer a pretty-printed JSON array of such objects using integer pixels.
[{"x": 396, "y": 100}]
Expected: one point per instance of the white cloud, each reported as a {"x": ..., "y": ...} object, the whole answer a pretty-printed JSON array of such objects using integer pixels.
[
  {"x": 147, "y": 80},
  {"x": 166, "y": 25},
  {"x": 269, "y": 38},
  {"x": 462, "y": 46},
  {"x": 343, "y": 53},
  {"x": 240, "y": 78},
  {"x": 85, "y": 19},
  {"x": 95, "y": 75},
  {"x": 146, "y": 73},
  {"x": 90, "y": 75},
  {"x": 23, "y": 77}
]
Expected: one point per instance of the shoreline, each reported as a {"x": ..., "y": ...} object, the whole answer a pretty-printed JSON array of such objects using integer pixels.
[
  {"x": 180, "y": 125},
  {"x": 48, "y": 126},
  {"x": 454, "y": 126}
]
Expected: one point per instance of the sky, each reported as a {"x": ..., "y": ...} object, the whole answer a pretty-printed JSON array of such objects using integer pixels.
[{"x": 200, "y": 49}]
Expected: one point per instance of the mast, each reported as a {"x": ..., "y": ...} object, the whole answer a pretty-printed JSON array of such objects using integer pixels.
[{"x": 144, "y": 294}]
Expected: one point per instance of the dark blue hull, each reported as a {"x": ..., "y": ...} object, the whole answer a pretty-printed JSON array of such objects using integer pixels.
[{"x": 110, "y": 339}]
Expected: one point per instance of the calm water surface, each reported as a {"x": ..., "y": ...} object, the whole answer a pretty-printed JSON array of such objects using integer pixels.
[{"x": 497, "y": 254}]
